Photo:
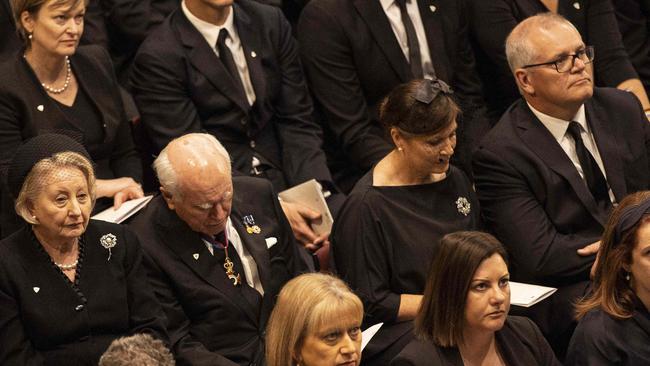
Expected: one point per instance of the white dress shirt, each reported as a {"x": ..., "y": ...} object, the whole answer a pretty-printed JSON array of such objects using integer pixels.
[
  {"x": 395, "y": 18},
  {"x": 211, "y": 33},
  {"x": 559, "y": 129},
  {"x": 247, "y": 261}
]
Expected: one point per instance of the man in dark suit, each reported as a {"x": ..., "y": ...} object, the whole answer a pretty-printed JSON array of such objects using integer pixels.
[
  {"x": 356, "y": 51},
  {"x": 549, "y": 172},
  {"x": 231, "y": 70},
  {"x": 218, "y": 250}
]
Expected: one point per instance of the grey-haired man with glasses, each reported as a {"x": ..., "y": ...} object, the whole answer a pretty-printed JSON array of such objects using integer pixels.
[{"x": 559, "y": 159}]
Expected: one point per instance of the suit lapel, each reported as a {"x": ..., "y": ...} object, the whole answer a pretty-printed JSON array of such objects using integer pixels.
[
  {"x": 608, "y": 149},
  {"x": 430, "y": 15},
  {"x": 252, "y": 46},
  {"x": 539, "y": 139},
  {"x": 204, "y": 59},
  {"x": 373, "y": 15}
]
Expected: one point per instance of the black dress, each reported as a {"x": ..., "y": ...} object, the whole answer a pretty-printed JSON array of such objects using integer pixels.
[
  {"x": 520, "y": 343},
  {"x": 385, "y": 238},
  {"x": 493, "y": 20},
  {"x": 600, "y": 339},
  {"x": 45, "y": 319}
]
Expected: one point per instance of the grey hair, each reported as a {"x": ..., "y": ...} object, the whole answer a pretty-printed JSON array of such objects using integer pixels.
[
  {"x": 36, "y": 180},
  {"x": 164, "y": 169},
  {"x": 519, "y": 51},
  {"x": 139, "y": 349}
]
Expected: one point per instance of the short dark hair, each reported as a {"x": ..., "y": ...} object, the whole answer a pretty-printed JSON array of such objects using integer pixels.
[
  {"x": 441, "y": 317},
  {"x": 401, "y": 110}
]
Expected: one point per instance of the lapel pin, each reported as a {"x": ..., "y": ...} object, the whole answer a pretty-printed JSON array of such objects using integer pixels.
[
  {"x": 433, "y": 8},
  {"x": 576, "y": 5},
  {"x": 251, "y": 227},
  {"x": 253, "y": 54},
  {"x": 37, "y": 289},
  {"x": 40, "y": 108},
  {"x": 196, "y": 256},
  {"x": 463, "y": 206}
]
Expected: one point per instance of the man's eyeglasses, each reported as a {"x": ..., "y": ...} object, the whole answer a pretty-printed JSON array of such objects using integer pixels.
[{"x": 566, "y": 63}]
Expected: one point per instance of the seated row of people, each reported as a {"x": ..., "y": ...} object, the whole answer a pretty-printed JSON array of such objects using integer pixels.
[{"x": 205, "y": 281}]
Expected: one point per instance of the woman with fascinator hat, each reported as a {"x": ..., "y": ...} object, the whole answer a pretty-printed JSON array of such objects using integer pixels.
[
  {"x": 614, "y": 320},
  {"x": 388, "y": 229},
  {"x": 68, "y": 285}
]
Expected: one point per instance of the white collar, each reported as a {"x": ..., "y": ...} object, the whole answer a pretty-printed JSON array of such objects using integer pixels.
[
  {"x": 385, "y": 4},
  {"x": 210, "y": 31},
  {"x": 558, "y": 127}
]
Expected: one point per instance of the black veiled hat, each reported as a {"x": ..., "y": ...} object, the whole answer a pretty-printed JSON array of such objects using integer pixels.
[{"x": 34, "y": 150}]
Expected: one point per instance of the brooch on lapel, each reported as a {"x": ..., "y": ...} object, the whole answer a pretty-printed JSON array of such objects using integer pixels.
[
  {"x": 251, "y": 227},
  {"x": 108, "y": 241},
  {"x": 463, "y": 206}
]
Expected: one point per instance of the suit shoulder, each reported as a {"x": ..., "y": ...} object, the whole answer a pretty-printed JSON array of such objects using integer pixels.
[
  {"x": 258, "y": 8},
  {"x": 614, "y": 99},
  {"x": 419, "y": 352},
  {"x": 251, "y": 183}
]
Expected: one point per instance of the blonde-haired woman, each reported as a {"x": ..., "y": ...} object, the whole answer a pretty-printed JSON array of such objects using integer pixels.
[{"x": 316, "y": 322}]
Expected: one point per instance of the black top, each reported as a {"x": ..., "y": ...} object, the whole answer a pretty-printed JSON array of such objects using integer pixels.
[
  {"x": 603, "y": 340},
  {"x": 82, "y": 110},
  {"x": 47, "y": 319},
  {"x": 385, "y": 237},
  {"x": 493, "y": 20},
  {"x": 519, "y": 342}
]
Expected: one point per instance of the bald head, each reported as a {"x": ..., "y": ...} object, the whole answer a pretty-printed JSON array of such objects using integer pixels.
[
  {"x": 521, "y": 47},
  {"x": 190, "y": 160}
]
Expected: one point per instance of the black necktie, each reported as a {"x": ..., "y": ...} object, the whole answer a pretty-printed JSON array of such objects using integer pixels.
[
  {"x": 412, "y": 40},
  {"x": 229, "y": 62},
  {"x": 593, "y": 175}
]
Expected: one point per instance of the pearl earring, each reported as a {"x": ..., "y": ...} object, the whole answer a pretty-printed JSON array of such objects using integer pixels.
[
  {"x": 30, "y": 36},
  {"x": 627, "y": 277},
  {"x": 400, "y": 149}
]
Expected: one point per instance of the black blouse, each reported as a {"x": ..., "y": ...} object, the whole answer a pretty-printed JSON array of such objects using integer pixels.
[{"x": 601, "y": 340}]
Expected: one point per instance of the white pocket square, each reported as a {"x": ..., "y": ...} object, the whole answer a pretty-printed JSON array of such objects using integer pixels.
[{"x": 271, "y": 241}]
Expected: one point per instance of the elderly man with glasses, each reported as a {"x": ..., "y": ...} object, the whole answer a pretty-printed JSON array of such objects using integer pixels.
[{"x": 550, "y": 171}]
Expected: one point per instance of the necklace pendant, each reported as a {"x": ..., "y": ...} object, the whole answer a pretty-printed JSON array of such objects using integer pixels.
[{"x": 235, "y": 278}]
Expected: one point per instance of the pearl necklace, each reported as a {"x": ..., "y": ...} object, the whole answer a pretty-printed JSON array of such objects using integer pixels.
[
  {"x": 67, "y": 267},
  {"x": 68, "y": 76}
]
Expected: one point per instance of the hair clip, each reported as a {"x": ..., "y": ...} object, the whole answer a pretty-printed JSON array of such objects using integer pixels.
[{"x": 428, "y": 90}]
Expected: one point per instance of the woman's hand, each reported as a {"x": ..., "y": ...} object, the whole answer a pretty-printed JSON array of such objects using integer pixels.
[{"x": 121, "y": 189}]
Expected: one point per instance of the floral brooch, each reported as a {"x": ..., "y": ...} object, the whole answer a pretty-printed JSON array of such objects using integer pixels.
[
  {"x": 108, "y": 241},
  {"x": 463, "y": 206}
]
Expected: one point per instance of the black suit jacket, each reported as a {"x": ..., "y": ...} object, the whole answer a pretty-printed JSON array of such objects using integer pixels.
[
  {"x": 45, "y": 321},
  {"x": 633, "y": 18},
  {"x": 493, "y": 20},
  {"x": 26, "y": 110},
  {"x": 9, "y": 40},
  {"x": 536, "y": 203},
  {"x": 519, "y": 341},
  {"x": 209, "y": 322},
  {"x": 181, "y": 86},
  {"x": 353, "y": 60}
]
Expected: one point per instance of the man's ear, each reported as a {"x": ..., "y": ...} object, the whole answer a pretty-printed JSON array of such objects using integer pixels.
[
  {"x": 167, "y": 196},
  {"x": 523, "y": 79}
]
